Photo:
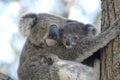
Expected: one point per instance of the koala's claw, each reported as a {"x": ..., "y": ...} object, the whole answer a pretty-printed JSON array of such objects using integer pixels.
[{"x": 46, "y": 59}]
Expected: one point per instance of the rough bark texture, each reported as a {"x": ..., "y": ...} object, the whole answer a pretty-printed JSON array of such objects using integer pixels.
[{"x": 110, "y": 58}]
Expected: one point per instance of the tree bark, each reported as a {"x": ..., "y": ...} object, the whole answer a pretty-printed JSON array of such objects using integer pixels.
[{"x": 110, "y": 57}]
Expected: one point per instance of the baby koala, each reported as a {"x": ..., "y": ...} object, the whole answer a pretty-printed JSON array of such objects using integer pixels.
[
  {"x": 74, "y": 32},
  {"x": 68, "y": 70},
  {"x": 71, "y": 33}
]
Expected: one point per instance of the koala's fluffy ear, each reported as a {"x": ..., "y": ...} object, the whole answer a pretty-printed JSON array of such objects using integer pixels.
[
  {"x": 27, "y": 22},
  {"x": 90, "y": 30}
]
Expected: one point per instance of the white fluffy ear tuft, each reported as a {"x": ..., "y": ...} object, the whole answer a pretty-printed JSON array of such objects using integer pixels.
[{"x": 26, "y": 23}]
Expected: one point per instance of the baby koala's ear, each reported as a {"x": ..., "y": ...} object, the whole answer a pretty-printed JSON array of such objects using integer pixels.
[{"x": 90, "y": 30}]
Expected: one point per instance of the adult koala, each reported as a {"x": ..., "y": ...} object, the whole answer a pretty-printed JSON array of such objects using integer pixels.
[{"x": 37, "y": 30}]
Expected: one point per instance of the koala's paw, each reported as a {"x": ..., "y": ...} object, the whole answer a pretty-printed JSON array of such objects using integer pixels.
[
  {"x": 116, "y": 26},
  {"x": 49, "y": 58},
  {"x": 118, "y": 23}
]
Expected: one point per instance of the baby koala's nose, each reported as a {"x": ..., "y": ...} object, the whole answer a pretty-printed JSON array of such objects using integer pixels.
[{"x": 68, "y": 42}]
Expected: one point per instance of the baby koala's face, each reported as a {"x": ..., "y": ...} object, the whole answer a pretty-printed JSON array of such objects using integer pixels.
[
  {"x": 69, "y": 40},
  {"x": 75, "y": 31}
]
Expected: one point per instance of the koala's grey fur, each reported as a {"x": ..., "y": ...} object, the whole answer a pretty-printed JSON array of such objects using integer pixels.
[
  {"x": 31, "y": 68},
  {"x": 73, "y": 32},
  {"x": 68, "y": 70}
]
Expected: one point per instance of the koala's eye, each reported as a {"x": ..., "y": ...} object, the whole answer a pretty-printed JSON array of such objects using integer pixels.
[{"x": 69, "y": 21}]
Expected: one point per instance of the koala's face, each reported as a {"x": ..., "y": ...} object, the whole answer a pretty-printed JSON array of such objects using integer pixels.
[
  {"x": 41, "y": 29},
  {"x": 76, "y": 31}
]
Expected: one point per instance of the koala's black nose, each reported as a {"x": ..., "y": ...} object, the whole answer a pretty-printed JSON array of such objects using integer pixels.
[
  {"x": 68, "y": 41},
  {"x": 52, "y": 36},
  {"x": 53, "y": 32}
]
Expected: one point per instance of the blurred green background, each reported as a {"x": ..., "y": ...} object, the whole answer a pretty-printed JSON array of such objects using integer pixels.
[{"x": 11, "y": 41}]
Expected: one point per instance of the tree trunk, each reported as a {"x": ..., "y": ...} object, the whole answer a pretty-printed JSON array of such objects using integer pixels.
[{"x": 110, "y": 57}]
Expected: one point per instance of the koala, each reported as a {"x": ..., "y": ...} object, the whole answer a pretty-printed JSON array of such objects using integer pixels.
[
  {"x": 30, "y": 68},
  {"x": 68, "y": 70},
  {"x": 73, "y": 33},
  {"x": 53, "y": 68},
  {"x": 46, "y": 30}
]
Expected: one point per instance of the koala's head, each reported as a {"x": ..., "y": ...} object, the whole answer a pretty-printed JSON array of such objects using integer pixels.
[
  {"x": 76, "y": 31},
  {"x": 41, "y": 29}
]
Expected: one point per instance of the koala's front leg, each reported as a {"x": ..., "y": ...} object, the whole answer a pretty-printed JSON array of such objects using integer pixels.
[
  {"x": 34, "y": 68},
  {"x": 89, "y": 45}
]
